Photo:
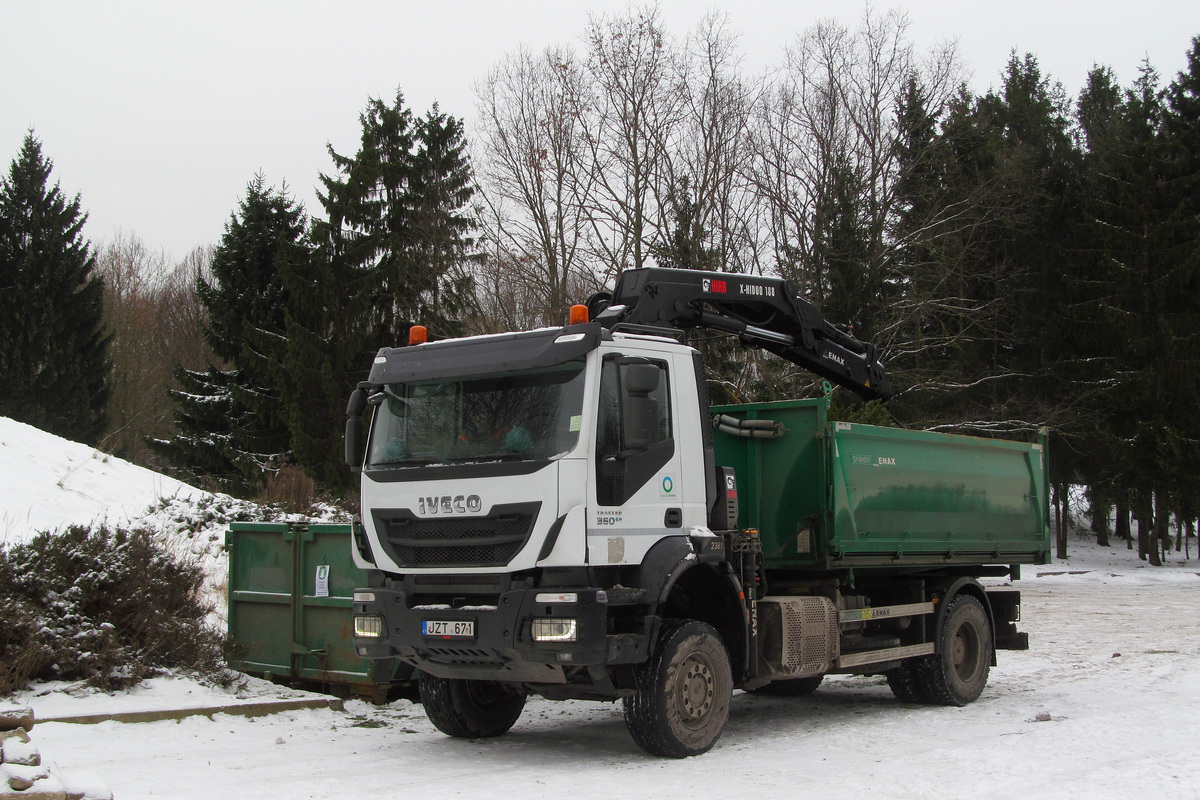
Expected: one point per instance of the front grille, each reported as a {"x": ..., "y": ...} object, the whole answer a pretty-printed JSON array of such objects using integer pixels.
[{"x": 490, "y": 541}]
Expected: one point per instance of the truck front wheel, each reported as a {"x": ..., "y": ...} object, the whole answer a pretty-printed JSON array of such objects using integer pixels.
[
  {"x": 470, "y": 709},
  {"x": 682, "y": 698},
  {"x": 956, "y": 674},
  {"x": 905, "y": 683}
]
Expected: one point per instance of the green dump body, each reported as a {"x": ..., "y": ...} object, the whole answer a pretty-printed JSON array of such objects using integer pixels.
[
  {"x": 832, "y": 495},
  {"x": 291, "y": 590}
]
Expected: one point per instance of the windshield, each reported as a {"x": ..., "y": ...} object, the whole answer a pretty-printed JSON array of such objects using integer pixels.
[{"x": 523, "y": 416}]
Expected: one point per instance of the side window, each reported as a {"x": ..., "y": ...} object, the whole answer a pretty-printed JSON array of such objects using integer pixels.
[{"x": 634, "y": 438}]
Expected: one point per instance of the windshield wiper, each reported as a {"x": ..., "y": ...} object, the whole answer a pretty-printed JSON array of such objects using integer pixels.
[
  {"x": 410, "y": 461},
  {"x": 481, "y": 457}
]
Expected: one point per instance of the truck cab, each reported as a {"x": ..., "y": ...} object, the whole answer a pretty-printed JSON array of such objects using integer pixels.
[
  {"x": 500, "y": 468},
  {"x": 583, "y": 450}
]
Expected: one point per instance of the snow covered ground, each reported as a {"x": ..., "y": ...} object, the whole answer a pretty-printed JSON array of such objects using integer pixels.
[{"x": 1103, "y": 705}]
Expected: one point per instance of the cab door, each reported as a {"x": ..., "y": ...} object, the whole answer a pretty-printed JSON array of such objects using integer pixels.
[{"x": 637, "y": 480}]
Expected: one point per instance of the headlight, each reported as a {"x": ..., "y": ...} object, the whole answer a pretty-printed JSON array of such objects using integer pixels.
[
  {"x": 370, "y": 627},
  {"x": 554, "y": 630}
]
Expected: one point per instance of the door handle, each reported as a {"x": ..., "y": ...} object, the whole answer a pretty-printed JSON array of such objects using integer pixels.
[{"x": 674, "y": 518}]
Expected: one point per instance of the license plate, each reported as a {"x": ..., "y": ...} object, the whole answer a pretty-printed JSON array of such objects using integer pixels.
[{"x": 455, "y": 629}]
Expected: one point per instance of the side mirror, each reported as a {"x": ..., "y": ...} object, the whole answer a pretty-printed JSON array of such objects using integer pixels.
[
  {"x": 354, "y": 443},
  {"x": 641, "y": 379},
  {"x": 639, "y": 410},
  {"x": 357, "y": 403},
  {"x": 355, "y": 448}
]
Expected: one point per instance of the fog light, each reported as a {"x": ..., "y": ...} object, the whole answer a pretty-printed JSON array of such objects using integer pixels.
[
  {"x": 553, "y": 630},
  {"x": 368, "y": 627}
]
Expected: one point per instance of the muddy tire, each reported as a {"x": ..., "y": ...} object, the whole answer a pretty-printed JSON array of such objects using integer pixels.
[
  {"x": 682, "y": 699},
  {"x": 468, "y": 709},
  {"x": 792, "y": 687},
  {"x": 956, "y": 674},
  {"x": 905, "y": 683}
]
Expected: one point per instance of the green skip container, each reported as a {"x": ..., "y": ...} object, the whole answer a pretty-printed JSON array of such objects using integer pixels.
[
  {"x": 291, "y": 590},
  {"x": 832, "y": 495}
]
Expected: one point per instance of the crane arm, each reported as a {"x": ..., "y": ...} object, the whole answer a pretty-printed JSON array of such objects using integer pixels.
[{"x": 761, "y": 311}]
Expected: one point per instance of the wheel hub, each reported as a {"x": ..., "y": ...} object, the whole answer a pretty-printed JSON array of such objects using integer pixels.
[
  {"x": 696, "y": 690},
  {"x": 960, "y": 651},
  {"x": 965, "y": 652}
]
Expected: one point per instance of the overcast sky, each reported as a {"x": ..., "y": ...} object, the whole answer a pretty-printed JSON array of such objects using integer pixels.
[{"x": 159, "y": 113}]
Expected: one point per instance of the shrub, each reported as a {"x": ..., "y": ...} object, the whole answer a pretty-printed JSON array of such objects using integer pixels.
[
  {"x": 109, "y": 607},
  {"x": 290, "y": 489}
]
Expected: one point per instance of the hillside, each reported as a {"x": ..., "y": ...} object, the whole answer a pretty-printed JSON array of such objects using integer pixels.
[{"x": 50, "y": 482}]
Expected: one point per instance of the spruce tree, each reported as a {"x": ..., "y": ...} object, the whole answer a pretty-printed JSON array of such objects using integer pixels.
[
  {"x": 54, "y": 367},
  {"x": 684, "y": 242},
  {"x": 856, "y": 293},
  {"x": 389, "y": 253},
  {"x": 1097, "y": 334},
  {"x": 231, "y": 420},
  {"x": 987, "y": 212},
  {"x": 201, "y": 449},
  {"x": 1180, "y": 291},
  {"x": 442, "y": 186},
  {"x": 1145, "y": 241},
  {"x": 956, "y": 194},
  {"x": 918, "y": 226},
  {"x": 1182, "y": 125}
]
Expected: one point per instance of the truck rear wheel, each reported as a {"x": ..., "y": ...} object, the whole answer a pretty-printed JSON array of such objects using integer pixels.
[
  {"x": 682, "y": 699},
  {"x": 956, "y": 674},
  {"x": 470, "y": 709}
]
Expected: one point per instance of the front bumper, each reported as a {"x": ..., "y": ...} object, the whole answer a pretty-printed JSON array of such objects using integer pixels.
[{"x": 502, "y": 646}]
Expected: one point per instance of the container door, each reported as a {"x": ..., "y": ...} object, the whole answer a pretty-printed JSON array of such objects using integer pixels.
[
  {"x": 325, "y": 623},
  {"x": 260, "y": 597}
]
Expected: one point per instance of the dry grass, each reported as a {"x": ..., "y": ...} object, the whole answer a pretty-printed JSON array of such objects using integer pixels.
[{"x": 290, "y": 489}]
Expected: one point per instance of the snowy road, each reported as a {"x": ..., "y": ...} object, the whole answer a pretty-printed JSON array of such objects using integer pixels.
[{"x": 1119, "y": 726}]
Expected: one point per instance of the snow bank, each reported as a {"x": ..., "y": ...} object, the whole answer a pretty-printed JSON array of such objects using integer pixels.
[{"x": 50, "y": 483}]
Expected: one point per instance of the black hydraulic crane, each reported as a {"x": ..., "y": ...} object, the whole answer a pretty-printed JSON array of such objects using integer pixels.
[{"x": 761, "y": 311}]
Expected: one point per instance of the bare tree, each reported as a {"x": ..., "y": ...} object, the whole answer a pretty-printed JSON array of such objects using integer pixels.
[
  {"x": 588, "y": 167},
  {"x": 537, "y": 184},
  {"x": 181, "y": 316},
  {"x": 637, "y": 108},
  {"x": 711, "y": 152},
  {"x": 800, "y": 129},
  {"x": 132, "y": 272},
  {"x": 151, "y": 309},
  {"x": 829, "y": 117}
]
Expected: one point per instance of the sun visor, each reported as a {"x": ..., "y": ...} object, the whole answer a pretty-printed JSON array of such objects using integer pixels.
[{"x": 484, "y": 355}]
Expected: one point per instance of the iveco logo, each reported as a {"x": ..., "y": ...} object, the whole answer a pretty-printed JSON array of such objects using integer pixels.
[{"x": 450, "y": 504}]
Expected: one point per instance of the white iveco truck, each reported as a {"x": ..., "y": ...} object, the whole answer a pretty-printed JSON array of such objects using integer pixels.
[{"x": 556, "y": 512}]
